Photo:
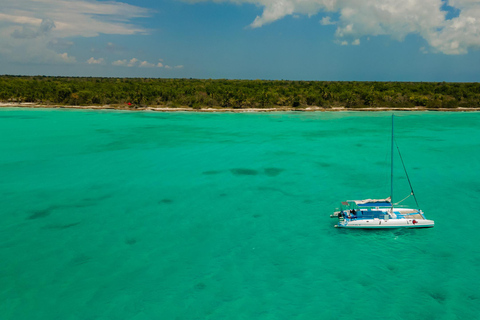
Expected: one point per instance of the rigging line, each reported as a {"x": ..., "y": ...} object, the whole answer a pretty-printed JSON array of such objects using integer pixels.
[
  {"x": 391, "y": 164},
  {"x": 406, "y": 173},
  {"x": 403, "y": 199},
  {"x": 386, "y": 177}
]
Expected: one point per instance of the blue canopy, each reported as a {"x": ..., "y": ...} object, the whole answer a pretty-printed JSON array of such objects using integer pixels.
[{"x": 375, "y": 204}]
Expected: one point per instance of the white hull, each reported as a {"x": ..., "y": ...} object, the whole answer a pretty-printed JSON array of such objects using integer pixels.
[{"x": 386, "y": 224}]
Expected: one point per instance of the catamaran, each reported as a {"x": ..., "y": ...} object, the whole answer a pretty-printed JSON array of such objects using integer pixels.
[{"x": 381, "y": 213}]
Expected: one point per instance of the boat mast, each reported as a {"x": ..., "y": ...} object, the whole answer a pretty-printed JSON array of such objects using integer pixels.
[{"x": 391, "y": 172}]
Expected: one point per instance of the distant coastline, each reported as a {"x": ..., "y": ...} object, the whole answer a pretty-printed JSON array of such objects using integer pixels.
[
  {"x": 222, "y": 95},
  {"x": 231, "y": 110}
]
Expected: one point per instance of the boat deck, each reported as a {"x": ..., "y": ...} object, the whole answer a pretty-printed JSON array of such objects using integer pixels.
[{"x": 380, "y": 214}]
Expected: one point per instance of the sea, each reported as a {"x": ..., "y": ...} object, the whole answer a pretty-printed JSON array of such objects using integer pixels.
[{"x": 146, "y": 215}]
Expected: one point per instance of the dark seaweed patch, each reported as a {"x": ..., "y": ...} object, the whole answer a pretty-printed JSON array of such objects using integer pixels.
[
  {"x": 166, "y": 201},
  {"x": 445, "y": 254},
  {"x": 62, "y": 226},
  {"x": 257, "y": 215},
  {"x": 80, "y": 259},
  {"x": 130, "y": 241},
  {"x": 244, "y": 172},
  {"x": 86, "y": 202},
  {"x": 40, "y": 214},
  {"x": 272, "y": 172},
  {"x": 392, "y": 268},
  {"x": 323, "y": 164},
  {"x": 438, "y": 296},
  {"x": 116, "y": 145},
  {"x": 200, "y": 286},
  {"x": 365, "y": 282}
]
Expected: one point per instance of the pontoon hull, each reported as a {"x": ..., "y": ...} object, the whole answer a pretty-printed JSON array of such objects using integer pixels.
[{"x": 386, "y": 224}]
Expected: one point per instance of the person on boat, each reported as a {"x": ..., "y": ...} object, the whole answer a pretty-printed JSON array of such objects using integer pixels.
[{"x": 352, "y": 214}]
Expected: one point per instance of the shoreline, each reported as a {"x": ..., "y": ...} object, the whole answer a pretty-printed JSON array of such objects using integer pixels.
[{"x": 230, "y": 110}]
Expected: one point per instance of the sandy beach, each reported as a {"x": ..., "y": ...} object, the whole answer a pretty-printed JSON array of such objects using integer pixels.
[{"x": 234, "y": 110}]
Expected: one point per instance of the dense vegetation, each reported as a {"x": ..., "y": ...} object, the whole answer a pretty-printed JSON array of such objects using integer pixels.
[{"x": 198, "y": 93}]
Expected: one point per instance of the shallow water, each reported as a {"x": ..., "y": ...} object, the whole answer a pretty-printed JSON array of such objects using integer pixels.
[{"x": 137, "y": 215}]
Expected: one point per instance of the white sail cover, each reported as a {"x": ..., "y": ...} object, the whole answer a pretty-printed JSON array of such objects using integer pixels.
[{"x": 372, "y": 201}]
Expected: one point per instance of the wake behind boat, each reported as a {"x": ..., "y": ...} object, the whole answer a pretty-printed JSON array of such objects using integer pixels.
[{"x": 381, "y": 213}]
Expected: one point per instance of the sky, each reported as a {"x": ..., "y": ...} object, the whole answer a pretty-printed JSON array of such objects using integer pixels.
[{"x": 332, "y": 40}]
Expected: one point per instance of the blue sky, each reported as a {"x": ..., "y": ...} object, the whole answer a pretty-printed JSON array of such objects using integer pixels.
[{"x": 374, "y": 40}]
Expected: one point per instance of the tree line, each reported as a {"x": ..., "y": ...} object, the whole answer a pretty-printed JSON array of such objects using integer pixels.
[{"x": 221, "y": 93}]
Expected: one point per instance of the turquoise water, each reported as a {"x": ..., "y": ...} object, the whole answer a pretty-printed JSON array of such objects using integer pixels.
[{"x": 123, "y": 215}]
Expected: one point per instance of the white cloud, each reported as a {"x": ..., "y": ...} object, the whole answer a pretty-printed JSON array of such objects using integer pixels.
[
  {"x": 393, "y": 18},
  {"x": 86, "y": 18},
  {"x": 120, "y": 62},
  {"x": 29, "y": 32},
  {"x": 32, "y": 30},
  {"x": 66, "y": 58},
  {"x": 132, "y": 62},
  {"x": 180, "y": 66},
  {"x": 92, "y": 60},
  {"x": 146, "y": 64},
  {"x": 327, "y": 21},
  {"x": 356, "y": 42},
  {"x": 126, "y": 63}
]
